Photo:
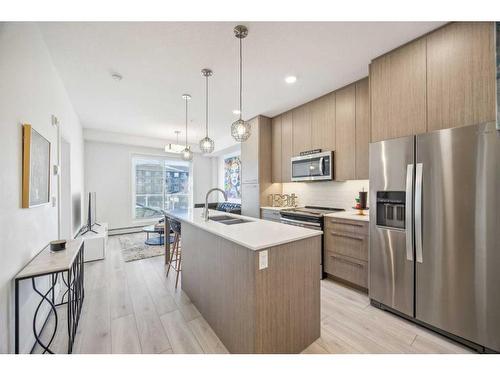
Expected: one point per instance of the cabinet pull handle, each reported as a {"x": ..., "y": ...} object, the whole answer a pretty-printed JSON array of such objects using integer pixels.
[
  {"x": 340, "y": 260},
  {"x": 346, "y": 235},
  {"x": 344, "y": 223}
]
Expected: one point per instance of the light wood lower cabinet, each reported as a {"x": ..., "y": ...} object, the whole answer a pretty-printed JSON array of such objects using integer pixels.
[
  {"x": 349, "y": 269},
  {"x": 346, "y": 250}
]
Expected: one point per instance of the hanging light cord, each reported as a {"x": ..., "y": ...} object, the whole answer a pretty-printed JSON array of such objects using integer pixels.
[
  {"x": 241, "y": 77},
  {"x": 206, "y": 106},
  {"x": 186, "y": 122}
]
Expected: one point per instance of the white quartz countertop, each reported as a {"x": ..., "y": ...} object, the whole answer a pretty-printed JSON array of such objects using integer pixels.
[
  {"x": 255, "y": 235},
  {"x": 350, "y": 215}
]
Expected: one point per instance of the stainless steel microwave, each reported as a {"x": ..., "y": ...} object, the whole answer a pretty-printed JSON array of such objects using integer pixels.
[{"x": 313, "y": 167}]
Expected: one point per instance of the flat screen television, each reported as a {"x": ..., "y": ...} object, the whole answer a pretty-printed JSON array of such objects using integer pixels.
[{"x": 91, "y": 214}]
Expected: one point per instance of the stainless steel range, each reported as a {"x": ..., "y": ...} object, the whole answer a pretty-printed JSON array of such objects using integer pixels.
[{"x": 310, "y": 217}]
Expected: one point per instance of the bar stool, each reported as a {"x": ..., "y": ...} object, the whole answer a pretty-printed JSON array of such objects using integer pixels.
[{"x": 175, "y": 255}]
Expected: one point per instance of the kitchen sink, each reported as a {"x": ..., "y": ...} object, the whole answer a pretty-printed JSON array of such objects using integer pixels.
[
  {"x": 228, "y": 220},
  {"x": 221, "y": 217},
  {"x": 234, "y": 221}
]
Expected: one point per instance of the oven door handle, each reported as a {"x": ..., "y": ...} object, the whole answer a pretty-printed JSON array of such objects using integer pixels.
[
  {"x": 321, "y": 166},
  {"x": 300, "y": 222}
]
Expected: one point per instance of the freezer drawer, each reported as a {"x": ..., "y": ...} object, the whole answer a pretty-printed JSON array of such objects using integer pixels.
[{"x": 457, "y": 232}]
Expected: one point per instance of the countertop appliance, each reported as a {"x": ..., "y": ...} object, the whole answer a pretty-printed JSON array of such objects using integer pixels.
[
  {"x": 434, "y": 231},
  {"x": 313, "y": 167},
  {"x": 310, "y": 217}
]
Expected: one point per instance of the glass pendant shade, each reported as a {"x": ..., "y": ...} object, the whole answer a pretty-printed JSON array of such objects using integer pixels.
[
  {"x": 187, "y": 154},
  {"x": 207, "y": 145},
  {"x": 241, "y": 130}
]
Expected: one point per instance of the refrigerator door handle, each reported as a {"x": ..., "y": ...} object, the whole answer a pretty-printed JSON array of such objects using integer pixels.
[
  {"x": 408, "y": 212},
  {"x": 418, "y": 212}
]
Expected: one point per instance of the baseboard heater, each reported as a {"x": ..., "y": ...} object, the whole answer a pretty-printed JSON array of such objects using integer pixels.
[{"x": 124, "y": 230}]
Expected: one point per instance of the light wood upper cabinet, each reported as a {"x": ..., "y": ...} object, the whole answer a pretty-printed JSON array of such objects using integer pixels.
[
  {"x": 301, "y": 128},
  {"x": 398, "y": 92},
  {"x": 345, "y": 133},
  {"x": 286, "y": 145},
  {"x": 323, "y": 123},
  {"x": 362, "y": 128},
  {"x": 460, "y": 75},
  {"x": 276, "y": 149}
]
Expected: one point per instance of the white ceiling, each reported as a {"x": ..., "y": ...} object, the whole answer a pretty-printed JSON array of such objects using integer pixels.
[{"x": 159, "y": 61}]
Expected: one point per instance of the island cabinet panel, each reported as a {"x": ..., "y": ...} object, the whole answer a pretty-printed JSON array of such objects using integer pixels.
[
  {"x": 301, "y": 128},
  {"x": 288, "y": 311},
  {"x": 276, "y": 153},
  {"x": 271, "y": 310},
  {"x": 345, "y": 133},
  {"x": 286, "y": 146},
  {"x": 398, "y": 92},
  {"x": 461, "y": 75},
  {"x": 323, "y": 123},
  {"x": 362, "y": 128}
]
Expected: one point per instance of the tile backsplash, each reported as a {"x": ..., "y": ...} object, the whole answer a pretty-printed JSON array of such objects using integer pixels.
[{"x": 327, "y": 193}]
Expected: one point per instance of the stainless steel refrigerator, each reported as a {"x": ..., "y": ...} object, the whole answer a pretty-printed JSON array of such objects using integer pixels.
[{"x": 435, "y": 230}]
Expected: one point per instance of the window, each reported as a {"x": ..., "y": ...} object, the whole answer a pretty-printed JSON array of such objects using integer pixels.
[{"x": 159, "y": 184}]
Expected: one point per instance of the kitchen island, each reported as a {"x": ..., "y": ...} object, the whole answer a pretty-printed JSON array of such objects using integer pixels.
[{"x": 256, "y": 283}]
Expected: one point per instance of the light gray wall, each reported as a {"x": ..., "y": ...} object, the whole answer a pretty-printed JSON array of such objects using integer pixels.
[
  {"x": 30, "y": 92},
  {"x": 108, "y": 173}
]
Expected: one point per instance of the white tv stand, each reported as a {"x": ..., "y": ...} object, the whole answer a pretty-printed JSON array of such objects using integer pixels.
[{"x": 95, "y": 243}]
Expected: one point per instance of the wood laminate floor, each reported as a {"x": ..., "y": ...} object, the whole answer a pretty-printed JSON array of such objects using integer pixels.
[{"x": 133, "y": 308}]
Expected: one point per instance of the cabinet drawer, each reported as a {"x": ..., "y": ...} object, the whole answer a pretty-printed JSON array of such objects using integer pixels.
[
  {"x": 348, "y": 244},
  {"x": 346, "y": 226},
  {"x": 349, "y": 269}
]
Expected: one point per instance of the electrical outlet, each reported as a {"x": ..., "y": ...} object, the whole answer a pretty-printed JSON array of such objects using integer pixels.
[{"x": 263, "y": 258}]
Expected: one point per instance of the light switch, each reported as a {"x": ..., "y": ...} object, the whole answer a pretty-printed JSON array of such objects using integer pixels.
[{"x": 262, "y": 259}]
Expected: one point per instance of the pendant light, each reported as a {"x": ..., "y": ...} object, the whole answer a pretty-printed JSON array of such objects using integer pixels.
[
  {"x": 240, "y": 129},
  {"x": 207, "y": 145},
  {"x": 186, "y": 154},
  {"x": 175, "y": 147}
]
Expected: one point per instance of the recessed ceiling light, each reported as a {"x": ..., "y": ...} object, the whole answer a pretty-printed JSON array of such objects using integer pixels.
[
  {"x": 290, "y": 79},
  {"x": 236, "y": 111},
  {"x": 116, "y": 76}
]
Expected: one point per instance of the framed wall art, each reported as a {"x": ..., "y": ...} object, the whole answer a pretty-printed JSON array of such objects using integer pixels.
[{"x": 36, "y": 168}]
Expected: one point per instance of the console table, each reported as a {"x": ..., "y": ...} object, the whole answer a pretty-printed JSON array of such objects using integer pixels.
[{"x": 66, "y": 264}]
